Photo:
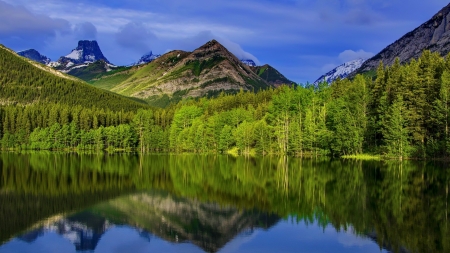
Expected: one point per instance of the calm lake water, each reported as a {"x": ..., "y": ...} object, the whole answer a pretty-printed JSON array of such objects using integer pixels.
[{"x": 187, "y": 203}]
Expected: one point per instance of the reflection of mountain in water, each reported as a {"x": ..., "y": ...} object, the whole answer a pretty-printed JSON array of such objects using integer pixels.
[{"x": 206, "y": 225}]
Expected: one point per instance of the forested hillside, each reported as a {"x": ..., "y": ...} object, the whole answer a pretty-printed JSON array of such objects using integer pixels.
[
  {"x": 23, "y": 82},
  {"x": 403, "y": 112}
]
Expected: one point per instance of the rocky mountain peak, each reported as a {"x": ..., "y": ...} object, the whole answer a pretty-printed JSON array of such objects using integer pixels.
[
  {"x": 34, "y": 55},
  {"x": 211, "y": 48},
  {"x": 86, "y": 51}
]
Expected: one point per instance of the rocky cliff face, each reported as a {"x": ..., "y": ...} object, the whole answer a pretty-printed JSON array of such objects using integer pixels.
[
  {"x": 34, "y": 55},
  {"x": 433, "y": 35}
]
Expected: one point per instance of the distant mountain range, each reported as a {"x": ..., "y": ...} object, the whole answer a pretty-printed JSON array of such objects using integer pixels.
[
  {"x": 206, "y": 71},
  {"x": 341, "y": 71}
]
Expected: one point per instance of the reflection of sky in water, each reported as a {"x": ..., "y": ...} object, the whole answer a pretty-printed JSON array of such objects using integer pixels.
[{"x": 283, "y": 237}]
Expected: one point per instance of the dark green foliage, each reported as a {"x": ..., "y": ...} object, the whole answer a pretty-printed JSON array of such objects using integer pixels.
[{"x": 23, "y": 83}]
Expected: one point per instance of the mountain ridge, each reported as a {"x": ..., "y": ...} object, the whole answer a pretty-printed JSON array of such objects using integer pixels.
[{"x": 433, "y": 35}]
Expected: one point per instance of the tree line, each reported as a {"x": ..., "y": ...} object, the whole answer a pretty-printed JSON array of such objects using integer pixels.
[{"x": 402, "y": 112}]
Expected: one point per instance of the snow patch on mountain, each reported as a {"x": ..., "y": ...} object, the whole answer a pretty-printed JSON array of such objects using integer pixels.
[
  {"x": 75, "y": 54},
  {"x": 341, "y": 71},
  {"x": 248, "y": 62},
  {"x": 54, "y": 64}
]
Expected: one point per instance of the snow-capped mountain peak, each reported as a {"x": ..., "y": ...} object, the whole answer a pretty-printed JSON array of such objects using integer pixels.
[
  {"x": 248, "y": 62},
  {"x": 341, "y": 71},
  {"x": 87, "y": 51}
]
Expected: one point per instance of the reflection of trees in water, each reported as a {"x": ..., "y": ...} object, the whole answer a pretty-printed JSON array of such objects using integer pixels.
[{"x": 404, "y": 203}]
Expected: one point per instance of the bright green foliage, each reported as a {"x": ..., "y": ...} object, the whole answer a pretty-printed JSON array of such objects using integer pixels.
[
  {"x": 226, "y": 138},
  {"x": 396, "y": 133}
]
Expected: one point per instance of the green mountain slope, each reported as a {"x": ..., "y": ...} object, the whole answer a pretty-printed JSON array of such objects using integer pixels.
[
  {"x": 109, "y": 80},
  {"x": 23, "y": 81},
  {"x": 95, "y": 70},
  {"x": 271, "y": 75}
]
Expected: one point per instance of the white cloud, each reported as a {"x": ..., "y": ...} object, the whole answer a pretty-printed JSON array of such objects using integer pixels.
[
  {"x": 350, "y": 55},
  {"x": 17, "y": 21}
]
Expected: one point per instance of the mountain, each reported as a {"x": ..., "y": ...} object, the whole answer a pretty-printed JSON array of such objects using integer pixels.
[
  {"x": 341, "y": 71},
  {"x": 207, "y": 70},
  {"x": 35, "y": 56},
  {"x": 87, "y": 52},
  {"x": 23, "y": 81},
  {"x": 147, "y": 58},
  {"x": 433, "y": 35},
  {"x": 271, "y": 75},
  {"x": 248, "y": 62}
]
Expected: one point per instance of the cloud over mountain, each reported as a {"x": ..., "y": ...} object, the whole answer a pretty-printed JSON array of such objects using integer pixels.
[
  {"x": 20, "y": 25},
  {"x": 135, "y": 36},
  {"x": 85, "y": 31}
]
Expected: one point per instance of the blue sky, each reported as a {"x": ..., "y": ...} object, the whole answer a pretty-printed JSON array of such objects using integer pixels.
[{"x": 303, "y": 39}]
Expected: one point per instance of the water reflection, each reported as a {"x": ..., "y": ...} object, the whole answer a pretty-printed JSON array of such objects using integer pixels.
[
  {"x": 148, "y": 221},
  {"x": 211, "y": 201}
]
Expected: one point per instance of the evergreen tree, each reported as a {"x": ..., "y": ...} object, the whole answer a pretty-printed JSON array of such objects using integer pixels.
[{"x": 395, "y": 131}]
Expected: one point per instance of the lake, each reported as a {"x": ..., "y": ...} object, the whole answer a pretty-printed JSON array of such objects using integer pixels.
[{"x": 60, "y": 202}]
